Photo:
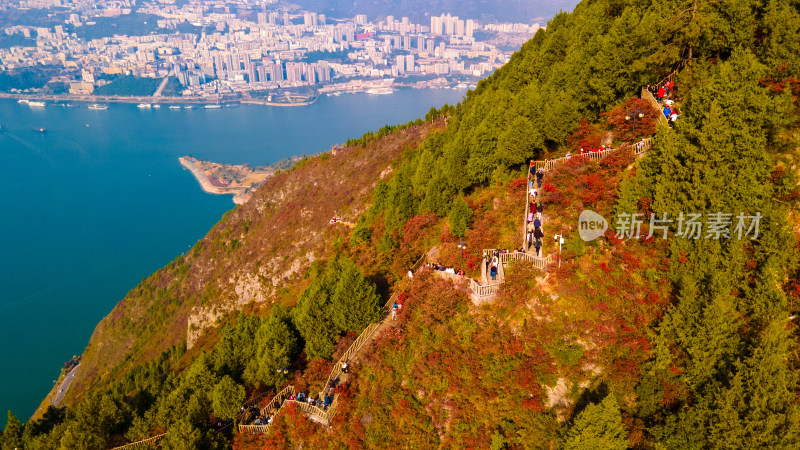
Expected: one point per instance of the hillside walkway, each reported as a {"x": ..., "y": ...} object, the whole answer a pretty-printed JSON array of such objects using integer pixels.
[
  {"x": 161, "y": 86},
  {"x": 322, "y": 408}
]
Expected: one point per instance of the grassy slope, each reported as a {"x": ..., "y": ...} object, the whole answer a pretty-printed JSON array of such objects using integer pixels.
[{"x": 285, "y": 223}]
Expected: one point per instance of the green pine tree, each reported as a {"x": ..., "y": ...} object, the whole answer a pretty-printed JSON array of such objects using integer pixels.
[{"x": 598, "y": 426}]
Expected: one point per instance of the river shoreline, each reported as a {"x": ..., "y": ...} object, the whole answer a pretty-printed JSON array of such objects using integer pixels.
[{"x": 147, "y": 99}]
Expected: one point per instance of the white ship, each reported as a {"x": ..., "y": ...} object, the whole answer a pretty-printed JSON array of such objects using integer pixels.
[
  {"x": 22, "y": 100},
  {"x": 36, "y": 104},
  {"x": 144, "y": 105},
  {"x": 98, "y": 106},
  {"x": 213, "y": 106},
  {"x": 156, "y": 106},
  {"x": 174, "y": 107}
]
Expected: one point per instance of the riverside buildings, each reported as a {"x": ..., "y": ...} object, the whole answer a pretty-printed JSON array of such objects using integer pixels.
[{"x": 251, "y": 45}]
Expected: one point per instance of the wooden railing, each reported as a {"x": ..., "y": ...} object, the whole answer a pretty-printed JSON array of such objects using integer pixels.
[
  {"x": 253, "y": 429},
  {"x": 145, "y": 443},
  {"x": 312, "y": 410},
  {"x": 647, "y": 95},
  {"x": 637, "y": 149},
  {"x": 275, "y": 404},
  {"x": 271, "y": 409},
  {"x": 670, "y": 77},
  {"x": 539, "y": 263}
]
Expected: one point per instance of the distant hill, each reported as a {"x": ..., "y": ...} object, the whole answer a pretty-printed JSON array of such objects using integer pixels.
[{"x": 420, "y": 11}]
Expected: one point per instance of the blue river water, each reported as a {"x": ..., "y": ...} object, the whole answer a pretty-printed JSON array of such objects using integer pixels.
[{"x": 100, "y": 201}]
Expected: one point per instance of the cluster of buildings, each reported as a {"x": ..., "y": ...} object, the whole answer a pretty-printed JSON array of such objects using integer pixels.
[{"x": 246, "y": 45}]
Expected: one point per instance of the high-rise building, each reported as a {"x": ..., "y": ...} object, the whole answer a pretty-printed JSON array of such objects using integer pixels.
[
  {"x": 400, "y": 63},
  {"x": 293, "y": 73},
  {"x": 470, "y": 28},
  {"x": 410, "y": 63},
  {"x": 322, "y": 20},
  {"x": 436, "y": 25},
  {"x": 449, "y": 24},
  {"x": 262, "y": 18},
  {"x": 460, "y": 31},
  {"x": 286, "y": 21},
  {"x": 361, "y": 19},
  {"x": 273, "y": 18},
  {"x": 406, "y": 42},
  {"x": 310, "y": 19}
]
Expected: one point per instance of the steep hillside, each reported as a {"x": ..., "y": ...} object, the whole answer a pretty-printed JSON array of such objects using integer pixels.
[{"x": 246, "y": 261}]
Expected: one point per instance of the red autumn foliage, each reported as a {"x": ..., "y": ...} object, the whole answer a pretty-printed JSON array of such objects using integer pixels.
[
  {"x": 517, "y": 185},
  {"x": 587, "y": 136},
  {"x": 417, "y": 226},
  {"x": 626, "y": 129}
]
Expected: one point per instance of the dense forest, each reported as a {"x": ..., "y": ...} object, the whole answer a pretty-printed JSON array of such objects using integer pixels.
[{"x": 637, "y": 342}]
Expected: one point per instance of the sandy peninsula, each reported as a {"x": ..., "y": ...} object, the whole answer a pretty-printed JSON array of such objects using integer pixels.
[{"x": 236, "y": 180}]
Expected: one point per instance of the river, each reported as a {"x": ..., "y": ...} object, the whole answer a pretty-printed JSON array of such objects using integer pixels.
[{"x": 99, "y": 201}]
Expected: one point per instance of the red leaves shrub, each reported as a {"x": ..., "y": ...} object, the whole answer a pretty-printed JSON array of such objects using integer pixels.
[
  {"x": 623, "y": 129},
  {"x": 549, "y": 187},
  {"x": 416, "y": 227},
  {"x": 617, "y": 161},
  {"x": 586, "y": 136},
  {"x": 517, "y": 185},
  {"x": 592, "y": 189}
]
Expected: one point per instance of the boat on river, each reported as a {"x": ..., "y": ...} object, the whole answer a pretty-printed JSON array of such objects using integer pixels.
[
  {"x": 98, "y": 106},
  {"x": 144, "y": 106}
]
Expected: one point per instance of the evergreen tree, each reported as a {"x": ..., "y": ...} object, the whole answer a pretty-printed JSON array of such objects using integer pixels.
[
  {"x": 312, "y": 317},
  {"x": 459, "y": 217},
  {"x": 12, "y": 434},
  {"x": 182, "y": 436},
  {"x": 355, "y": 304},
  {"x": 277, "y": 345},
  {"x": 227, "y": 398},
  {"x": 598, "y": 426},
  {"x": 92, "y": 423}
]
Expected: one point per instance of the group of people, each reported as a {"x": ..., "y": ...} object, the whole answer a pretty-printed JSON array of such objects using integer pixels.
[
  {"x": 533, "y": 229},
  {"x": 665, "y": 91},
  {"x": 670, "y": 112},
  {"x": 664, "y": 96},
  {"x": 493, "y": 263},
  {"x": 396, "y": 307},
  {"x": 538, "y": 175}
]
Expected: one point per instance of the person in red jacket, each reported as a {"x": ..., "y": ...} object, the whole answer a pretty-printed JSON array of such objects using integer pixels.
[{"x": 662, "y": 92}]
